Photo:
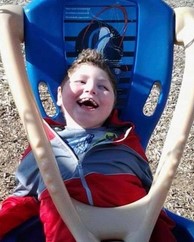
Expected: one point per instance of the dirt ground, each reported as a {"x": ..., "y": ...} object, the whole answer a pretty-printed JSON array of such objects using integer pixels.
[{"x": 13, "y": 138}]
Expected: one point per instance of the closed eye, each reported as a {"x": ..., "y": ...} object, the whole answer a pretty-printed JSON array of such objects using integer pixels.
[
  {"x": 103, "y": 87},
  {"x": 80, "y": 82}
]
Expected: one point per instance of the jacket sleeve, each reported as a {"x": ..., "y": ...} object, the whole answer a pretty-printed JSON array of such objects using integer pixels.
[
  {"x": 16, "y": 210},
  {"x": 23, "y": 203},
  {"x": 27, "y": 176}
]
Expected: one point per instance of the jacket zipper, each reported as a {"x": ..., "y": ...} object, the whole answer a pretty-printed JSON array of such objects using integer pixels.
[{"x": 80, "y": 169}]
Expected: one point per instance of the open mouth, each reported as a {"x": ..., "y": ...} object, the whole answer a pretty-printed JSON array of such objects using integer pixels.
[{"x": 88, "y": 102}]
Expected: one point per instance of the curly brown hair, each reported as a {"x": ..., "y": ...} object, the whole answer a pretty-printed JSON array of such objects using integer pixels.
[{"x": 91, "y": 56}]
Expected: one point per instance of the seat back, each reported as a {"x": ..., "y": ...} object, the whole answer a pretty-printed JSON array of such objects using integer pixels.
[{"x": 57, "y": 30}]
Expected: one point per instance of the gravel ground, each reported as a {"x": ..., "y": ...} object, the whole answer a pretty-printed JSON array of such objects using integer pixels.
[{"x": 13, "y": 139}]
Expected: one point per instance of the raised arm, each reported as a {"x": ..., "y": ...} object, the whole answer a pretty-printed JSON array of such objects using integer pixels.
[{"x": 184, "y": 113}]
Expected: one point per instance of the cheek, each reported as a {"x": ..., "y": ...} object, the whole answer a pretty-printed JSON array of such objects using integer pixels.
[
  {"x": 69, "y": 97},
  {"x": 68, "y": 92},
  {"x": 110, "y": 101}
]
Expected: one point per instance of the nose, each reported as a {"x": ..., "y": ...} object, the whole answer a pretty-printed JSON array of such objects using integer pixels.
[{"x": 90, "y": 87}]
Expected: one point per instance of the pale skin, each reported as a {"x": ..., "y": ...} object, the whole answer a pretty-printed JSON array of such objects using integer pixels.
[{"x": 87, "y": 98}]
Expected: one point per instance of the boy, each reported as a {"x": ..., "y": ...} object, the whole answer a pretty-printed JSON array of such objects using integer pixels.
[{"x": 100, "y": 158}]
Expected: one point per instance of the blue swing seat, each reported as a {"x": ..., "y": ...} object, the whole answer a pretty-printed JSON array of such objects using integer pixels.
[
  {"x": 125, "y": 31},
  {"x": 137, "y": 37}
]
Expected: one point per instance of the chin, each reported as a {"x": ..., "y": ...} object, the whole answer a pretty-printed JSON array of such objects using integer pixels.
[{"x": 90, "y": 125}]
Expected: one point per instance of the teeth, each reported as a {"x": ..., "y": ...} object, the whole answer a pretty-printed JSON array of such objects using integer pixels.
[{"x": 88, "y": 102}]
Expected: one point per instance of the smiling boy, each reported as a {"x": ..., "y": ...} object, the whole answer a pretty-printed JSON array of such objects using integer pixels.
[{"x": 87, "y": 98}]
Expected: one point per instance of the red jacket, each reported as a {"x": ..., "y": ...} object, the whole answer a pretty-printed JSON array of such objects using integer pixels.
[{"x": 108, "y": 190}]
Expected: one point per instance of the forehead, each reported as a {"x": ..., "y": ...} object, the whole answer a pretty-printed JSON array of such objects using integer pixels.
[{"x": 89, "y": 70}]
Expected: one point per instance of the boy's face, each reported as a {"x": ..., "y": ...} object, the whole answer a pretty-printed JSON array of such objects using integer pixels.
[{"x": 87, "y": 98}]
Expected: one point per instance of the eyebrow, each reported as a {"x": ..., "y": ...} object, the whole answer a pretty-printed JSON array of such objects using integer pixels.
[
  {"x": 102, "y": 79},
  {"x": 81, "y": 75}
]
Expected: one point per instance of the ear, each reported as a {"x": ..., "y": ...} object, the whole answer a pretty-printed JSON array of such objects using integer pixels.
[{"x": 59, "y": 96}]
